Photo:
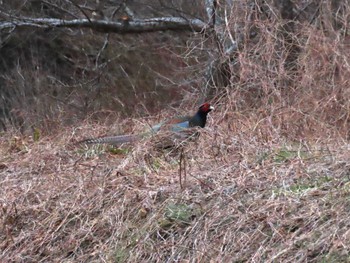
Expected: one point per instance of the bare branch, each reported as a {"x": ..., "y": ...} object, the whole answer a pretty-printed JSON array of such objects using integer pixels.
[
  {"x": 210, "y": 7},
  {"x": 59, "y": 8},
  {"x": 81, "y": 10},
  {"x": 133, "y": 26}
]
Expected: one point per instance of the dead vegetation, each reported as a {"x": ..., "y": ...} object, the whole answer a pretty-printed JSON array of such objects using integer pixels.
[
  {"x": 268, "y": 179},
  {"x": 247, "y": 197}
]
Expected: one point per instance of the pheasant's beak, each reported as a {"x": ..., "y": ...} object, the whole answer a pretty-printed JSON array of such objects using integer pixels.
[{"x": 211, "y": 108}]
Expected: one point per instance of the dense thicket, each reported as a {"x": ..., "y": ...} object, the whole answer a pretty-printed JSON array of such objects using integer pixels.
[{"x": 285, "y": 56}]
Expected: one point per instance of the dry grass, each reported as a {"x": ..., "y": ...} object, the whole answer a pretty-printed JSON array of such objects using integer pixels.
[
  {"x": 247, "y": 197},
  {"x": 268, "y": 180}
]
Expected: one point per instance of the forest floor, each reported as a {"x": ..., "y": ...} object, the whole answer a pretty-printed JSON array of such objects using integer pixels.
[{"x": 240, "y": 193}]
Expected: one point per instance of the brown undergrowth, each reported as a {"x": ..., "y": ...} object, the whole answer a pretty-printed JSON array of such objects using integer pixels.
[
  {"x": 267, "y": 181},
  {"x": 248, "y": 194}
]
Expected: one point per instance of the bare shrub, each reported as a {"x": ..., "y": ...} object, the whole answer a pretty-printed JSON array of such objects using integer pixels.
[{"x": 266, "y": 181}]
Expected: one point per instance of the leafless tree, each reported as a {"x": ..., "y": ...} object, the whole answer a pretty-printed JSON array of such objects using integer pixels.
[{"x": 212, "y": 20}]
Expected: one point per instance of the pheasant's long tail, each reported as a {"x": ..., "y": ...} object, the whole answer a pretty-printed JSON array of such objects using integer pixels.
[{"x": 120, "y": 139}]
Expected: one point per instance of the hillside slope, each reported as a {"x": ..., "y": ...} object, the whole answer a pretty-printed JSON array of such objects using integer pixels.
[{"x": 245, "y": 196}]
